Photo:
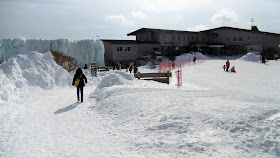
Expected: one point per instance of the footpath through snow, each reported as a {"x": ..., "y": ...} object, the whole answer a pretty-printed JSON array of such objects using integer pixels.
[{"x": 214, "y": 114}]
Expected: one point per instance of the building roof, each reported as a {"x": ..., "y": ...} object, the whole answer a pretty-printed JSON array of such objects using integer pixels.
[
  {"x": 151, "y": 29},
  {"x": 112, "y": 41},
  {"x": 254, "y": 29},
  {"x": 168, "y": 31}
]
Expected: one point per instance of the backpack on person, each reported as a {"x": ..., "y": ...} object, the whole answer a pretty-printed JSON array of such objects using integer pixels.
[{"x": 77, "y": 82}]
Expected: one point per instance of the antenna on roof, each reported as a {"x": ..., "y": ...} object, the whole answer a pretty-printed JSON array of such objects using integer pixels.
[{"x": 252, "y": 21}]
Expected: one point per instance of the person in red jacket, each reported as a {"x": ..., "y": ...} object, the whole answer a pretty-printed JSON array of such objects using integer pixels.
[
  {"x": 227, "y": 65},
  {"x": 79, "y": 75}
]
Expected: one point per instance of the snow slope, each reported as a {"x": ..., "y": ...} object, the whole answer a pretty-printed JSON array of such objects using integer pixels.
[{"x": 214, "y": 114}]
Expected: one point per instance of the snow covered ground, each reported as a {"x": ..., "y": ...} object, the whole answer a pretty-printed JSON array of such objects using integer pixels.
[{"x": 214, "y": 113}]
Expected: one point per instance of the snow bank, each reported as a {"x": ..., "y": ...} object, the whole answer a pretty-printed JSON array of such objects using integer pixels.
[
  {"x": 114, "y": 78},
  {"x": 31, "y": 69},
  {"x": 84, "y": 51},
  {"x": 189, "y": 56},
  {"x": 251, "y": 57},
  {"x": 209, "y": 116}
]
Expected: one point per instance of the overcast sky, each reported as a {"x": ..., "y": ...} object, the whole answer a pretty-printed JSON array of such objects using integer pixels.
[{"x": 114, "y": 19}]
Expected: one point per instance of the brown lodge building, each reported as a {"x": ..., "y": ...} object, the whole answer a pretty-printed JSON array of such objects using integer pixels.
[{"x": 217, "y": 41}]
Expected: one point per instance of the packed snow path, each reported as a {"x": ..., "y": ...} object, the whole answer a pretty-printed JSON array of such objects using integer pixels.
[{"x": 53, "y": 124}]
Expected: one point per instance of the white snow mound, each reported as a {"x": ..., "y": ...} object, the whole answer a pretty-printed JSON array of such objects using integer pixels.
[
  {"x": 114, "y": 78},
  {"x": 185, "y": 56},
  {"x": 251, "y": 57},
  {"x": 32, "y": 69}
]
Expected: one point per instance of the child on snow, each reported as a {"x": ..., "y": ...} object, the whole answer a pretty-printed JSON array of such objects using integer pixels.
[{"x": 232, "y": 69}]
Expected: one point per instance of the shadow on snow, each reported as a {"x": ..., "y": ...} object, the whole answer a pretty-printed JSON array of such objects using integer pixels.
[{"x": 68, "y": 108}]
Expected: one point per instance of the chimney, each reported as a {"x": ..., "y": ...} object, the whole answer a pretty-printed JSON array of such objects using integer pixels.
[{"x": 255, "y": 29}]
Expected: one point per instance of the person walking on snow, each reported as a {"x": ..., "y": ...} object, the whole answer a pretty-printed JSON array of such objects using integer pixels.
[
  {"x": 80, "y": 75},
  {"x": 194, "y": 59},
  {"x": 119, "y": 66},
  {"x": 130, "y": 67},
  {"x": 93, "y": 69},
  {"x": 263, "y": 59},
  {"x": 227, "y": 65},
  {"x": 126, "y": 66}
]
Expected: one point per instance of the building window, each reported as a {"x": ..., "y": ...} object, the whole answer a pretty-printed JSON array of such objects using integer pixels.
[
  {"x": 127, "y": 49},
  {"x": 173, "y": 38},
  {"x": 184, "y": 38},
  {"x": 192, "y": 38},
  {"x": 119, "y": 49},
  {"x": 237, "y": 39},
  {"x": 179, "y": 38},
  {"x": 196, "y": 38},
  {"x": 214, "y": 38},
  {"x": 249, "y": 38}
]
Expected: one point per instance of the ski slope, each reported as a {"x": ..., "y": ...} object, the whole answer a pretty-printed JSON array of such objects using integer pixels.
[{"x": 214, "y": 114}]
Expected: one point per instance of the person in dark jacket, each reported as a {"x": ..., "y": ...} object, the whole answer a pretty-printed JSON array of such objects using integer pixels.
[
  {"x": 194, "y": 59},
  {"x": 135, "y": 70},
  {"x": 130, "y": 67},
  {"x": 85, "y": 67},
  {"x": 79, "y": 74},
  {"x": 263, "y": 59},
  {"x": 126, "y": 66}
]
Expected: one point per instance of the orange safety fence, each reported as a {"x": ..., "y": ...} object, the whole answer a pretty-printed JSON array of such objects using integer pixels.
[{"x": 169, "y": 66}]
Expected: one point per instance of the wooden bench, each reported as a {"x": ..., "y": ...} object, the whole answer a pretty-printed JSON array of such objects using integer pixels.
[
  {"x": 103, "y": 69},
  {"x": 159, "y": 77}
]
